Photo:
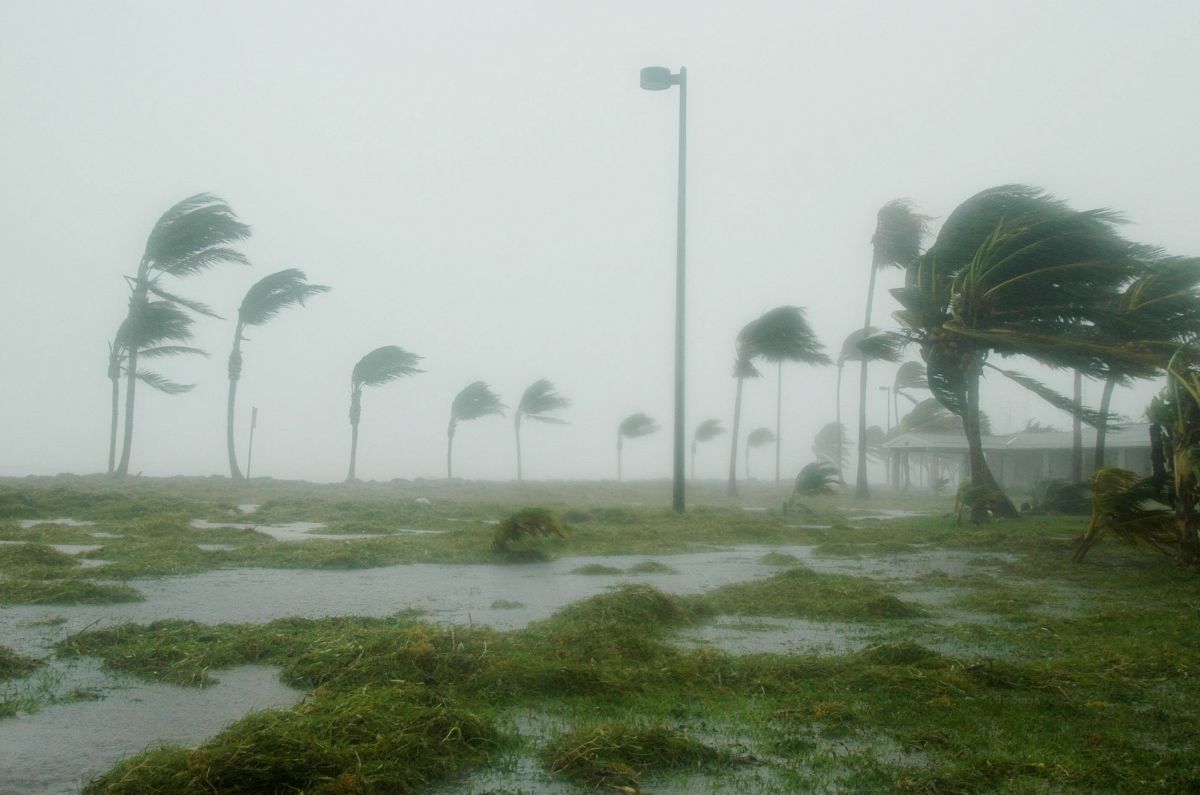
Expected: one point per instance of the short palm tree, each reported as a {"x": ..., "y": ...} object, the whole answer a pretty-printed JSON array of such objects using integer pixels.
[
  {"x": 743, "y": 368},
  {"x": 827, "y": 445},
  {"x": 757, "y": 438},
  {"x": 156, "y": 332},
  {"x": 634, "y": 426},
  {"x": 783, "y": 334},
  {"x": 380, "y": 366},
  {"x": 861, "y": 345},
  {"x": 537, "y": 403},
  {"x": 896, "y": 244},
  {"x": 475, "y": 401},
  {"x": 188, "y": 238},
  {"x": 265, "y": 299},
  {"x": 706, "y": 431}
]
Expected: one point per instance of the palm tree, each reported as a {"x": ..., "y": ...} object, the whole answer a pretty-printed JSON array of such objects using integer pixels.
[
  {"x": 757, "y": 438},
  {"x": 827, "y": 444},
  {"x": 475, "y": 401},
  {"x": 705, "y": 431},
  {"x": 265, "y": 299},
  {"x": 155, "y": 332},
  {"x": 743, "y": 368},
  {"x": 380, "y": 366},
  {"x": 784, "y": 335},
  {"x": 537, "y": 402},
  {"x": 896, "y": 243},
  {"x": 634, "y": 426},
  {"x": 188, "y": 238},
  {"x": 879, "y": 347},
  {"x": 910, "y": 376},
  {"x": 1014, "y": 271}
]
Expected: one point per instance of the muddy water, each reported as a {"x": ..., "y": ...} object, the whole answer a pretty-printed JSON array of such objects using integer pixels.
[{"x": 61, "y": 747}]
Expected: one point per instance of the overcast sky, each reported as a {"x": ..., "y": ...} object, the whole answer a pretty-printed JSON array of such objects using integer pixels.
[{"x": 484, "y": 184}]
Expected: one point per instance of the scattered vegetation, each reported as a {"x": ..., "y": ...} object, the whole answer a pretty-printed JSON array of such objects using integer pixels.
[
  {"x": 615, "y": 756},
  {"x": 524, "y": 526},
  {"x": 14, "y": 666}
]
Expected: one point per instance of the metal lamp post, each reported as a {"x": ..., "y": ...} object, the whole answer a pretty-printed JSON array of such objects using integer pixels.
[{"x": 660, "y": 78}]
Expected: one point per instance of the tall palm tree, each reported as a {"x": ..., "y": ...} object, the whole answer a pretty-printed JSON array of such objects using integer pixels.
[
  {"x": 188, "y": 238},
  {"x": 757, "y": 438},
  {"x": 634, "y": 426},
  {"x": 1015, "y": 271},
  {"x": 156, "y": 333},
  {"x": 380, "y": 366},
  {"x": 784, "y": 335},
  {"x": 265, "y": 299},
  {"x": 896, "y": 243},
  {"x": 706, "y": 431},
  {"x": 537, "y": 402},
  {"x": 743, "y": 368},
  {"x": 475, "y": 401},
  {"x": 878, "y": 347}
]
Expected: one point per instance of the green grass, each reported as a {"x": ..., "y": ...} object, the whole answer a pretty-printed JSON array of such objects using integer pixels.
[
  {"x": 65, "y": 592},
  {"x": 802, "y": 593},
  {"x": 14, "y": 666}
]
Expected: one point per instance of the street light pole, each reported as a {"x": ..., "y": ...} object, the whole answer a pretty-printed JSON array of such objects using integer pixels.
[{"x": 658, "y": 78}]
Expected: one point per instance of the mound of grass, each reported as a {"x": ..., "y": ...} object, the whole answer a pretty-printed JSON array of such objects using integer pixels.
[
  {"x": 507, "y": 604},
  {"x": 596, "y": 569},
  {"x": 779, "y": 559},
  {"x": 615, "y": 757},
  {"x": 899, "y": 653},
  {"x": 64, "y": 592},
  {"x": 14, "y": 557},
  {"x": 804, "y": 593},
  {"x": 525, "y": 525},
  {"x": 14, "y": 666},
  {"x": 366, "y": 740},
  {"x": 651, "y": 567}
]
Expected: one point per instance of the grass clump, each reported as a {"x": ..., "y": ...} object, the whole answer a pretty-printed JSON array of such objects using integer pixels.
[
  {"x": 804, "y": 593},
  {"x": 524, "y": 526},
  {"x": 507, "y": 604},
  {"x": 15, "y": 557},
  {"x": 65, "y": 592},
  {"x": 14, "y": 665},
  {"x": 779, "y": 559},
  {"x": 616, "y": 756},
  {"x": 651, "y": 567},
  {"x": 596, "y": 569},
  {"x": 365, "y": 740}
]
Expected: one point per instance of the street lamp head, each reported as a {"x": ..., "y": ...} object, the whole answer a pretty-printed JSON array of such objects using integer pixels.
[{"x": 657, "y": 78}]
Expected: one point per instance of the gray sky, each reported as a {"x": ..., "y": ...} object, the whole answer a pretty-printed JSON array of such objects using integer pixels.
[{"x": 484, "y": 184}]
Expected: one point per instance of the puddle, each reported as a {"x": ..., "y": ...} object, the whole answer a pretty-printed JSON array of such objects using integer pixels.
[
  {"x": 66, "y": 549},
  {"x": 809, "y": 526},
  {"x": 217, "y": 547},
  {"x": 60, "y": 748},
  {"x": 293, "y": 531},
  {"x": 103, "y": 534},
  {"x": 249, "y": 507},
  {"x": 25, "y": 524},
  {"x": 92, "y": 563},
  {"x": 884, "y": 513},
  {"x": 738, "y": 635}
]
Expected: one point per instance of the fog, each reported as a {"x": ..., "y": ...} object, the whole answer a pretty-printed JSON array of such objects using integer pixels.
[{"x": 485, "y": 185}]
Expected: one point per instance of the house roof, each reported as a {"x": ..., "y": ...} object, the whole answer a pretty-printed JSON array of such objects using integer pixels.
[{"x": 1133, "y": 435}]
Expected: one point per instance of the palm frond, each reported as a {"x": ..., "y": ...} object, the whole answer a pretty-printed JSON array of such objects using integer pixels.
[
  {"x": 267, "y": 297},
  {"x": 759, "y": 437},
  {"x": 1130, "y": 507},
  {"x": 170, "y": 350},
  {"x": 708, "y": 430},
  {"x": 162, "y": 383},
  {"x": 539, "y": 399},
  {"x": 192, "y": 236},
  {"x": 153, "y": 324},
  {"x": 383, "y": 365},
  {"x": 911, "y": 375},
  {"x": 930, "y": 416},
  {"x": 899, "y": 231},
  {"x": 476, "y": 400},
  {"x": 783, "y": 334},
  {"x": 816, "y": 479},
  {"x": 196, "y": 306},
  {"x": 886, "y": 346},
  {"x": 825, "y": 443},
  {"x": 637, "y": 425},
  {"x": 1057, "y": 399}
]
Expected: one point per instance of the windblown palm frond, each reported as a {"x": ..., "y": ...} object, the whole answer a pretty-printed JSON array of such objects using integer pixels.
[
  {"x": 759, "y": 437},
  {"x": 539, "y": 399},
  {"x": 1130, "y": 507},
  {"x": 199, "y": 307},
  {"x": 1057, "y": 399},
  {"x": 637, "y": 425},
  {"x": 153, "y": 324},
  {"x": 162, "y": 383},
  {"x": 170, "y": 350},
  {"x": 267, "y": 297},
  {"x": 383, "y": 365},
  {"x": 930, "y": 416},
  {"x": 899, "y": 231},
  {"x": 911, "y": 375},
  {"x": 871, "y": 344},
  {"x": 827, "y": 443},
  {"x": 193, "y": 236},
  {"x": 1033, "y": 426},
  {"x": 782, "y": 334},
  {"x": 476, "y": 400},
  {"x": 816, "y": 479},
  {"x": 708, "y": 430}
]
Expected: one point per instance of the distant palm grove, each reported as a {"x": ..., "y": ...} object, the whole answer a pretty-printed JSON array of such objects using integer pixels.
[{"x": 1012, "y": 272}]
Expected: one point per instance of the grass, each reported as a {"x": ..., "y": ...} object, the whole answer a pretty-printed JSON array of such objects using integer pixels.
[
  {"x": 14, "y": 665},
  {"x": 1100, "y": 697},
  {"x": 65, "y": 592}
]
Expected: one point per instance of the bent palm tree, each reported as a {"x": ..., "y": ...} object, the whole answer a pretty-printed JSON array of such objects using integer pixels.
[
  {"x": 634, "y": 426},
  {"x": 378, "y": 367},
  {"x": 784, "y": 335},
  {"x": 743, "y": 368},
  {"x": 189, "y": 238},
  {"x": 705, "y": 431},
  {"x": 896, "y": 243},
  {"x": 537, "y": 402},
  {"x": 862, "y": 345},
  {"x": 155, "y": 333},
  {"x": 757, "y": 438},
  {"x": 265, "y": 299},
  {"x": 475, "y": 401},
  {"x": 827, "y": 444}
]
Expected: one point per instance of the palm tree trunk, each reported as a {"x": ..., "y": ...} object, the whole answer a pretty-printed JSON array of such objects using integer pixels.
[
  {"x": 861, "y": 488},
  {"x": 1077, "y": 431},
  {"x": 746, "y": 472},
  {"x": 1185, "y": 501},
  {"x": 353, "y": 448},
  {"x": 618, "y": 458},
  {"x": 778, "y": 418},
  {"x": 517, "y": 431},
  {"x": 450, "y": 451},
  {"x": 116, "y": 411},
  {"x": 1102, "y": 431},
  {"x": 693, "y": 459},
  {"x": 137, "y": 301},
  {"x": 733, "y": 441},
  {"x": 235, "y": 373},
  {"x": 981, "y": 473},
  {"x": 838, "y": 415}
]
